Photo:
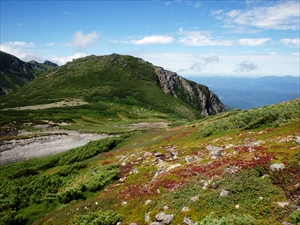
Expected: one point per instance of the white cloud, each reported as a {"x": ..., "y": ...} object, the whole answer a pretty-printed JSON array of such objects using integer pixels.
[
  {"x": 197, "y": 38},
  {"x": 153, "y": 39},
  {"x": 203, "y": 63},
  {"x": 217, "y": 12},
  {"x": 253, "y": 41},
  {"x": 50, "y": 44},
  {"x": 64, "y": 60},
  {"x": 284, "y": 15},
  {"x": 245, "y": 66},
  {"x": 226, "y": 64},
  {"x": 83, "y": 41},
  {"x": 20, "y": 43},
  {"x": 19, "y": 24},
  {"x": 19, "y": 49},
  {"x": 291, "y": 42}
]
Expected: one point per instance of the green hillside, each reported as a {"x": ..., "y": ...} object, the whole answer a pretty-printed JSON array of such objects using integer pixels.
[
  {"x": 243, "y": 170},
  {"x": 102, "y": 81}
]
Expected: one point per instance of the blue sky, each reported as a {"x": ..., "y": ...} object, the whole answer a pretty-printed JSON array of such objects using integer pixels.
[{"x": 192, "y": 38}]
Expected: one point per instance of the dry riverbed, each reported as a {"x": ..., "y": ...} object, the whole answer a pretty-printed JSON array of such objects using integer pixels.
[{"x": 45, "y": 143}]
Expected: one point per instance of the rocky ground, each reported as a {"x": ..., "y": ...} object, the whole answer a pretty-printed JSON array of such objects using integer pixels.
[{"x": 43, "y": 144}]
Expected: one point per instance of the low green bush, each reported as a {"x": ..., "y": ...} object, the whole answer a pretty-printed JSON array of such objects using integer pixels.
[
  {"x": 227, "y": 220},
  {"x": 97, "y": 218}
]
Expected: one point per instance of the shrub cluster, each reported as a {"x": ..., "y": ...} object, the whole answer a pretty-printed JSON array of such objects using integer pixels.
[{"x": 274, "y": 115}]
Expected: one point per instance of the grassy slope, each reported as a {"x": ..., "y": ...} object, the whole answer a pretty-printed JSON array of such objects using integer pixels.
[
  {"x": 102, "y": 80},
  {"x": 242, "y": 169}
]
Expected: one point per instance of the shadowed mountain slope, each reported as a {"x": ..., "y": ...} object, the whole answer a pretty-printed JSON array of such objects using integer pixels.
[{"x": 15, "y": 73}]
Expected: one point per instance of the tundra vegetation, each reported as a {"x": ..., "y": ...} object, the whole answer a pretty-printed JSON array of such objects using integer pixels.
[
  {"x": 214, "y": 170},
  {"x": 235, "y": 167}
]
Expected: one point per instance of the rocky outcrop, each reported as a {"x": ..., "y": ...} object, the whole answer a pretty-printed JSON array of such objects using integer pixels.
[{"x": 196, "y": 95}]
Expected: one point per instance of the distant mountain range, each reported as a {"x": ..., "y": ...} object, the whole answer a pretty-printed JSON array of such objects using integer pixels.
[
  {"x": 15, "y": 73},
  {"x": 246, "y": 93}
]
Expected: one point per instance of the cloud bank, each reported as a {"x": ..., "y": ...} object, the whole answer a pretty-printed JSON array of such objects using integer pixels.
[
  {"x": 83, "y": 41},
  {"x": 153, "y": 39}
]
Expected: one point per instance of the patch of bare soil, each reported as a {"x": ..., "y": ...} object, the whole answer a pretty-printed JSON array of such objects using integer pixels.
[
  {"x": 72, "y": 102},
  {"x": 147, "y": 125},
  {"x": 45, "y": 144}
]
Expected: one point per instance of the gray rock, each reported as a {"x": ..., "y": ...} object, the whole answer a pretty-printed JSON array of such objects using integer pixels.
[
  {"x": 135, "y": 171},
  {"x": 214, "y": 151},
  {"x": 286, "y": 223},
  {"x": 224, "y": 193},
  {"x": 298, "y": 139},
  {"x": 146, "y": 154},
  {"x": 188, "y": 221},
  {"x": 158, "y": 172},
  {"x": 159, "y": 154},
  {"x": 282, "y": 204},
  {"x": 156, "y": 223},
  {"x": 164, "y": 218},
  {"x": 194, "y": 199},
  {"x": 185, "y": 209},
  {"x": 277, "y": 167},
  {"x": 147, "y": 218}
]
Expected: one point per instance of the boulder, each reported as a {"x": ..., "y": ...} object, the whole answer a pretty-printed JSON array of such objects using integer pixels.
[
  {"x": 224, "y": 193},
  {"x": 164, "y": 218},
  {"x": 214, "y": 151},
  {"x": 277, "y": 167},
  {"x": 188, "y": 221}
]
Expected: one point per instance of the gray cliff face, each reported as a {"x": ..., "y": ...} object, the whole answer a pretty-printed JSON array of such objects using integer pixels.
[{"x": 198, "y": 96}]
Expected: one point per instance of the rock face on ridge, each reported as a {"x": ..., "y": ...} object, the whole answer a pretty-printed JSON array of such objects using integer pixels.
[{"x": 198, "y": 96}]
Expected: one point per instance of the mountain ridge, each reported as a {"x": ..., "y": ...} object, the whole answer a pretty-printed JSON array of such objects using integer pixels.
[
  {"x": 120, "y": 78},
  {"x": 15, "y": 73}
]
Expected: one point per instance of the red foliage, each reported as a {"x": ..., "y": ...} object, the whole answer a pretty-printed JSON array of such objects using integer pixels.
[{"x": 106, "y": 162}]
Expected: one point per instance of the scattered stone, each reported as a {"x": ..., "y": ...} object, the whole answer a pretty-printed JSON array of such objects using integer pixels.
[
  {"x": 164, "y": 218},
  {"x": 173, "y": 167},
  {"x": 214, "y": 151},
  {"x": 277, "y": 167},
  {"x": 189, "y": 159},
  {"x": 96, "y": 203},
  {"x": 123, "y": 164},
  {"x": 135, "y": 171},
  {"x": 237, "y": 206},
  {"x": 228, "y": 146},
  {"x": 185, "y": 209},
  {"x": 188, "y": 221},
  {"x": 133, "y": 224},
  {"x": 159, "y": 154},
  {"x": 147, "y": 218},
  {"x": 158, "y": 191},
  {"x": 286, "y": 223},
  {"x": 146, "y": 154},
  {"x": 298, "y": 139},
  {"x": 224, "y": 193},
  {"x": 156, "y": 223},
  {"x": 166, "y": 207},
  {"x": 124, "y": 203},
  {"x": 194, "y": 199},
  {"x": 282, "y": 204},
  {"x": 260, "y": 198},
  {"x": 148, "y": 201},
  {"x": 158, "y": 172},
  {"x": 173, "y": 153}
]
